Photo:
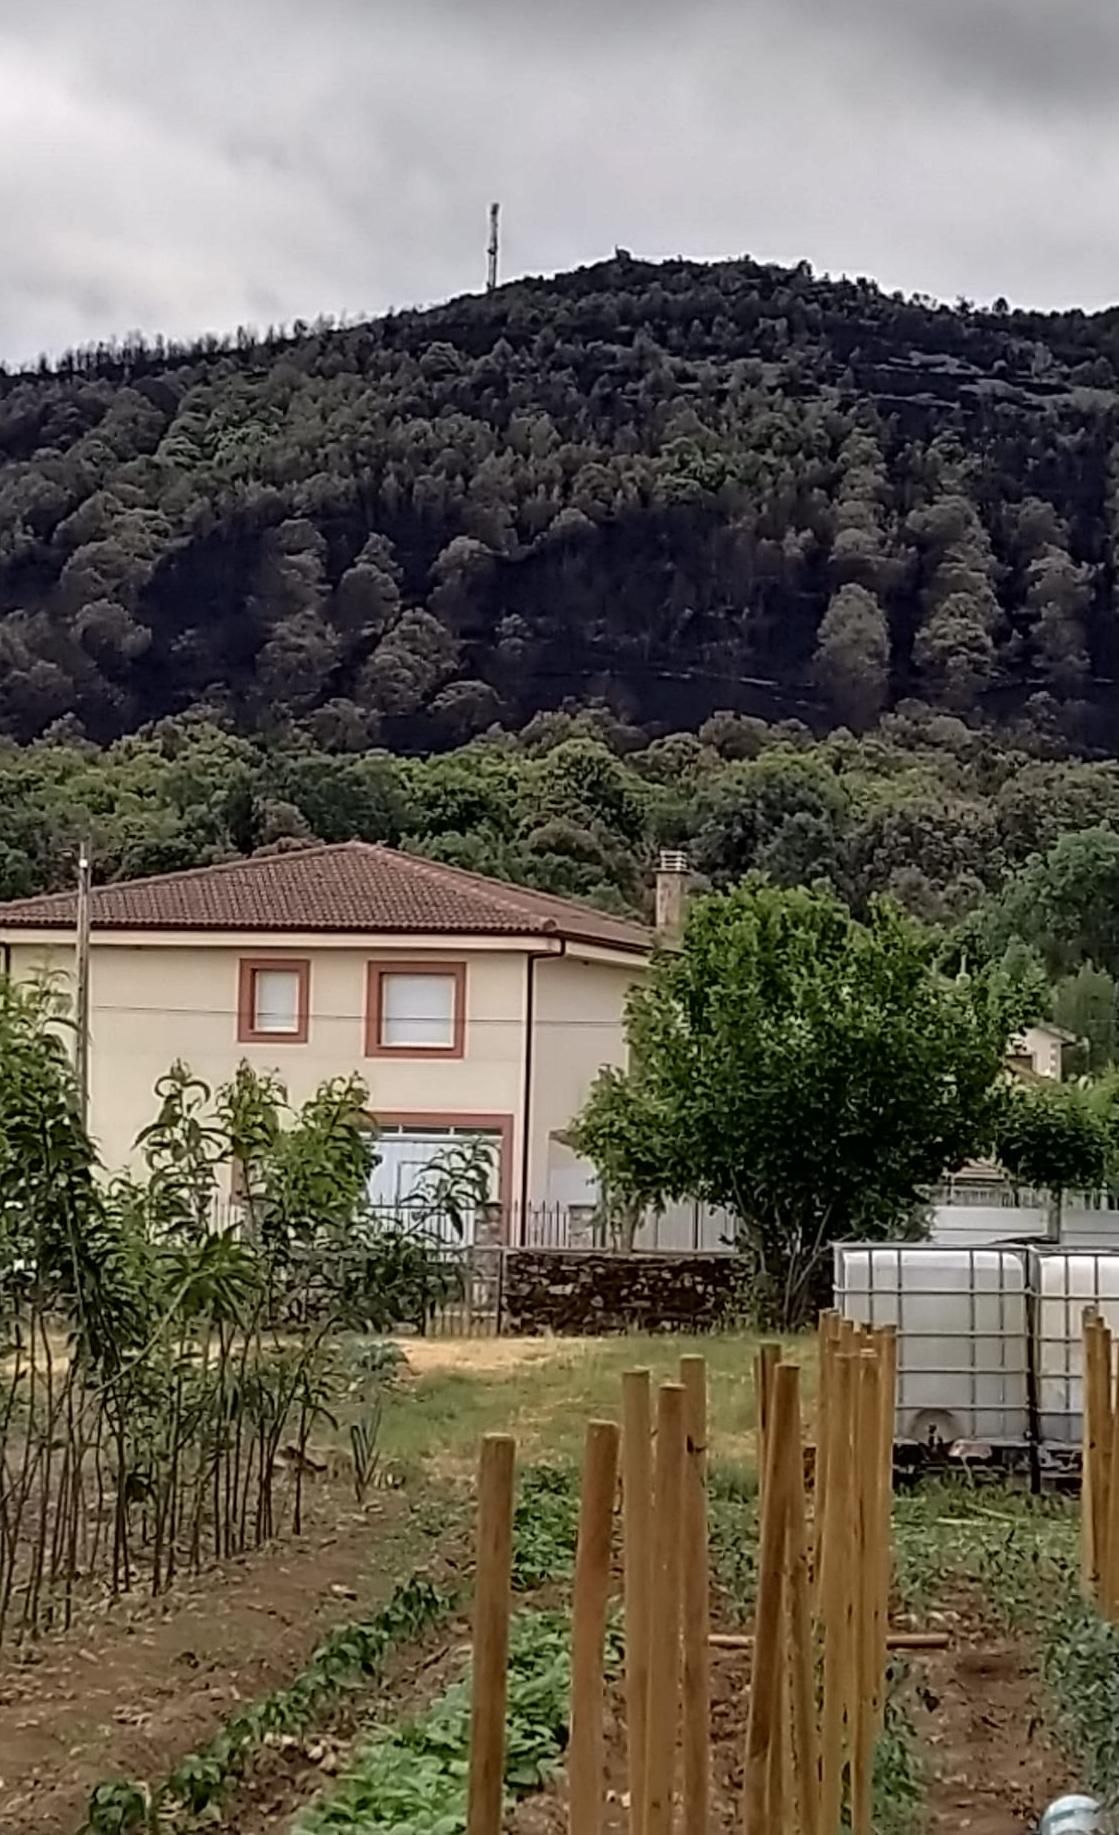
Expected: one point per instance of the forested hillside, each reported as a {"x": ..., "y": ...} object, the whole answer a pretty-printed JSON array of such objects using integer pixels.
[{"x": 678, "y": 488}]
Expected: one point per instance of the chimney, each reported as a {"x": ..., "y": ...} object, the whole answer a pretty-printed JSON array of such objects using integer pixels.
[{"x": 673, "y": 880}]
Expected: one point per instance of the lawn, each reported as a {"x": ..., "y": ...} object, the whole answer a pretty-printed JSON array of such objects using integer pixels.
[{"x": 544, "y": 1390}]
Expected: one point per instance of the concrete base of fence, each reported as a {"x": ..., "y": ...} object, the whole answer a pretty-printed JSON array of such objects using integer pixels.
[{"x": 584, "y": 1293}]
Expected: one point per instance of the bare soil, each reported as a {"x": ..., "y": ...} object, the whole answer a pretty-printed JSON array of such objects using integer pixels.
[
  {"x": 990, "y": 1765},
  {"x": 488, "y": 1356},
  {"x": 131, "y": 1691}
]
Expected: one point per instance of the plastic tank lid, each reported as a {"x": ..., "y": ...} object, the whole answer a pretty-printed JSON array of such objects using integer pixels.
[{"x": 1075, "y": 1816}]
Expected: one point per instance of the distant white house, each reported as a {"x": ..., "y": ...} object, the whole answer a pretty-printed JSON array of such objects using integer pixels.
[{"x": 1040, "y": 1049}]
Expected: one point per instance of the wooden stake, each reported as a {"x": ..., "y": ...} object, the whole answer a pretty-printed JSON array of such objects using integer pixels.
[
  {"x": 491, "y": 1634},
  {"x": 887, "y": 1339},
  {"x": 762, "y": 1815},
  {"x": 1088, "y": 1430},
  {"x": 827, "y": 1344},
  {"x": 637, "y": 1506},
  {"x": 1097, "y": 1419},
  {"x": 802, "y": 1654},
  {"x": 586, "y": 1764},
  {"x": 662, "y": 1725},
  {"x": 697, "y": 1605},
  {"x": 868, "y": 1640},
  {"x": 1109, "y": 1564},
  {"x": 835, "y": 1594},
  {"x": 1103, "y": 1448},
  {"x": 767, "y": 1358}
]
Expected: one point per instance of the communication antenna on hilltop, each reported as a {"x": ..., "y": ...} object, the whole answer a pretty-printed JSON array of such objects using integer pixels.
[{"x": 494, "y": 247}]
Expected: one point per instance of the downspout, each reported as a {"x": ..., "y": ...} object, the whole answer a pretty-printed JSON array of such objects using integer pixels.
[{"x": 529, "y": 1069}]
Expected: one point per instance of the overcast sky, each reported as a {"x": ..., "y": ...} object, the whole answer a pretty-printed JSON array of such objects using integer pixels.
[{"x": 181, "y": 165}]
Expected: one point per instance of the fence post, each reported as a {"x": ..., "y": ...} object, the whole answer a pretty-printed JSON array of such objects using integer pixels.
[
  {"x": 491, "y": 1635},
  {"x": 586, "y": 1765},
  {"x": 663, "y": 1724},
  {"x": 637, "y": 1524}
]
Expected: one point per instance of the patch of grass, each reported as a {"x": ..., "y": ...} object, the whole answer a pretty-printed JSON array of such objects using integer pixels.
[
  {"x": 950, "y": 1530},
  {"x": 546, "y": 1399}
]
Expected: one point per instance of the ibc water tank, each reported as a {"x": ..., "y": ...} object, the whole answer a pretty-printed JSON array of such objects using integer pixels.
[
  {"x": 1067, "y": 1282},
  {"x": 961, "y": 1317}
]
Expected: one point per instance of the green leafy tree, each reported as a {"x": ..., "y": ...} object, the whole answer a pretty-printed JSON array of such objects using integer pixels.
[
  {"x": 1087, "y": 1005},
  {"x": 853, "y": 656},
  {"x": 1065, "y": 902},
  {"x": 1053, "y": 1137},
  {"x": 810, "y": 1073}
]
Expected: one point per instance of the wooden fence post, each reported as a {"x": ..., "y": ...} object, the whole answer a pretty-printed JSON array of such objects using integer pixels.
[
  {"x": 869, "y": 1633},
  {"x": 586, "y": 1756},
  {"x": 697, "y": 1609},
  {"x": 835, "y": 1600},
  {"x": 491, "y": 1635},
  {"x": 637, "y": 1507},
  {"x": 802, "y": 1653},
  {"x": 768, "y": 1676},
  {"x": 662, "y": 1724}
]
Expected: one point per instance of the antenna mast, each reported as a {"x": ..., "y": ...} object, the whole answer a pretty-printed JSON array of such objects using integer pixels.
[{"x": 494, "y": 247}]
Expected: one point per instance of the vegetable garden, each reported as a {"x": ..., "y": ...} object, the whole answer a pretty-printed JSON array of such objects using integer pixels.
[
  {"x": 221, "y": 1493},
  {"x": 651, "y": 1645}
]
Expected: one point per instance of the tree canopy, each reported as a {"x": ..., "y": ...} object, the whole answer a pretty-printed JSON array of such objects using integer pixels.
[{"x": 810, "y": 1073}]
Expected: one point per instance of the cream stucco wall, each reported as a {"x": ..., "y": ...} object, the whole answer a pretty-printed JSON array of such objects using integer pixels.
[
  {"x": 580, "y": 1012},
  {"x": 152, "y": 1002},
  {"x": 157, "y": 999}
]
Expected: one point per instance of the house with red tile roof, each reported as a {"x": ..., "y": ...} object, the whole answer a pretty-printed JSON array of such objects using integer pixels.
[{"x": 469, "y": 1006}]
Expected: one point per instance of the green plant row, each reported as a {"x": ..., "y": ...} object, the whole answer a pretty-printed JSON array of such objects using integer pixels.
[
  {"x": 1034, "y": 1581},
  {"x": 545, "y": 1529},
  {"x": 545, "y": 1526},
  {"x": 412, "y": 1780},
  {"x": 898, "y": 1784},
  {"x": 350, "y": 1655}
]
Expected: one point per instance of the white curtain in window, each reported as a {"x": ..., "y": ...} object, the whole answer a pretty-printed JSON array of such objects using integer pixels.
[
  {"x": 418, "y": 1010},
  {"x": 275, "y": 1000}
]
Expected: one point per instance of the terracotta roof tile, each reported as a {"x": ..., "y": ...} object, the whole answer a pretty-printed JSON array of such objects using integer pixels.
[{"x": 350, "y": 886}]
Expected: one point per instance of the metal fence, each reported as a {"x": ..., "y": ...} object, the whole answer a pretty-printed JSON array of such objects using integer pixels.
[{"x": 475, "y": 1286}]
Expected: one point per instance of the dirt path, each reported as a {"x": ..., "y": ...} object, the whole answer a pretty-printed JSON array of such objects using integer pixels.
[
  {"x": 990, "y": 1766},
  {"x": 130, "y": 1693}
]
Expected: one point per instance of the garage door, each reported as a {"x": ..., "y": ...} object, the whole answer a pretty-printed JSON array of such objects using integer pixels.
[{"x": 407, "y": 1154}]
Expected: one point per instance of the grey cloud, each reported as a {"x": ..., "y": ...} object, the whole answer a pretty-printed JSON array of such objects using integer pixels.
[{"x": 183, "y": 166}]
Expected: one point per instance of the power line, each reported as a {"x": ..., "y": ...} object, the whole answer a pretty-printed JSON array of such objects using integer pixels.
[{"x": 493, "y": 248}]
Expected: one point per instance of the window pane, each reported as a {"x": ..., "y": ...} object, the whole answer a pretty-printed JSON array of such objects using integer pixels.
[
  {"x": 275, "y": 1000},
  {"x": 418, "y": 1010}
]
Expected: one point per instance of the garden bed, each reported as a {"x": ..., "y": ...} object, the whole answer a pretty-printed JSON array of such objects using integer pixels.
[{"x": 141, "y": 1684}]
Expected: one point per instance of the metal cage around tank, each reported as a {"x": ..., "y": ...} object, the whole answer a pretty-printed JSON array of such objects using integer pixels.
[{"x": 989, "y": 1338}]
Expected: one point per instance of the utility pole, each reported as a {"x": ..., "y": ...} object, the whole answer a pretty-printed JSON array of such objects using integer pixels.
[
  {"x": 494, "y": 248},
  {"x": 81, "y": 964}
]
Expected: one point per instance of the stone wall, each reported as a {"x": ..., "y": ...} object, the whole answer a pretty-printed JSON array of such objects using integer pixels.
[{"x": 557, "y": 1290}]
